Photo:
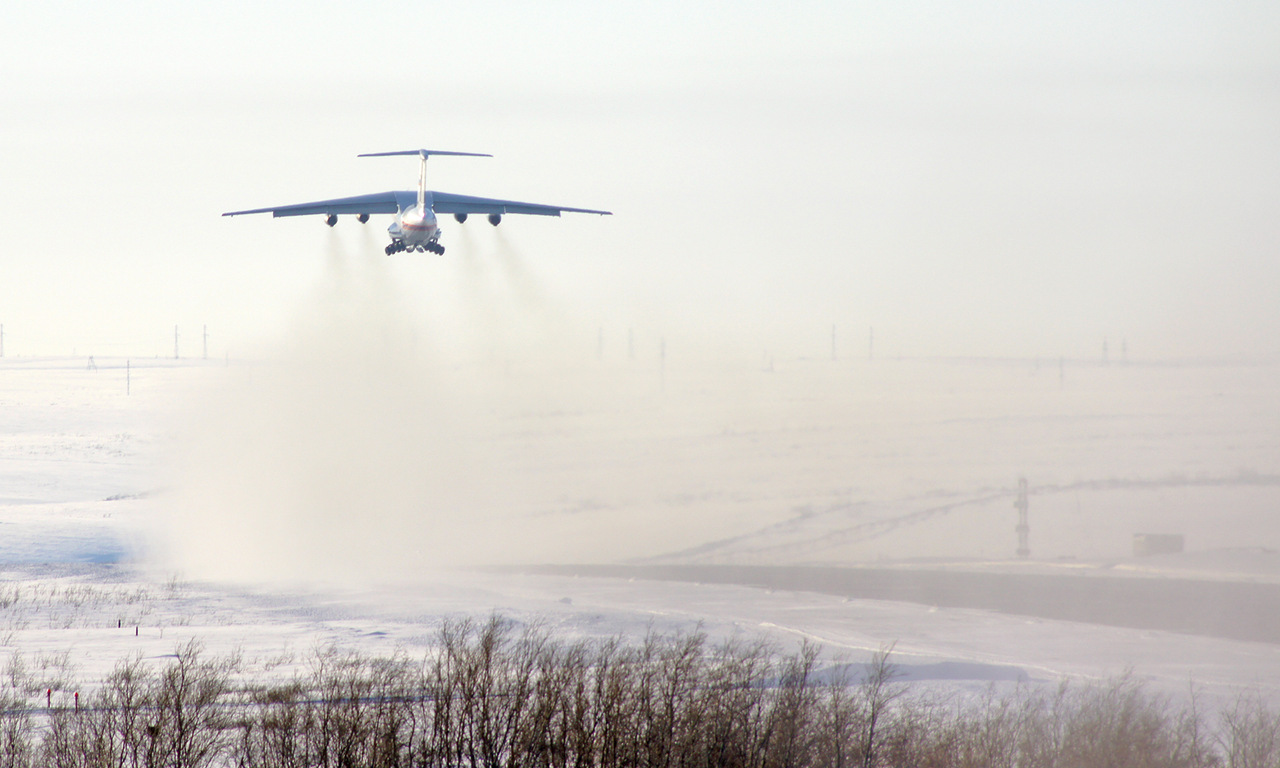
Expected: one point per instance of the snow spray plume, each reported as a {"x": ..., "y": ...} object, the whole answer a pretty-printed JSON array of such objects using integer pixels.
[
  {"x": 347, "y": 451},
  {"x": 393, "y": 430}
]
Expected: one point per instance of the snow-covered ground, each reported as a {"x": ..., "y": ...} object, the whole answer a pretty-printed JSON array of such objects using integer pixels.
[{"x": 272, "y": 508}]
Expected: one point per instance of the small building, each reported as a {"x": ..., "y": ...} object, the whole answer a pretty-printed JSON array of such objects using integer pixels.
[{"x": 1157, "y": 544}]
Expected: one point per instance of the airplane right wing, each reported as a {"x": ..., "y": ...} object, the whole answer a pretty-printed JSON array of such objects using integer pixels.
[{"x": 447, "y": 202}]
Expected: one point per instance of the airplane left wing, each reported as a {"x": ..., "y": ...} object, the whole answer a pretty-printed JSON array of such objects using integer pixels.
[
  {"x": 445, "y": 202},
  {"x": 381, "y": 202}
]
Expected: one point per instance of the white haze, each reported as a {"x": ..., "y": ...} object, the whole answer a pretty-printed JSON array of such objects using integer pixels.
[
  {"x": 460, "y": 411},
  {"x": 374, "y": 439}
]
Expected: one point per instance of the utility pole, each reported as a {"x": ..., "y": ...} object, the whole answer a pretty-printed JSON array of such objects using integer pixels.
[{"x": 1024, "y": 549}]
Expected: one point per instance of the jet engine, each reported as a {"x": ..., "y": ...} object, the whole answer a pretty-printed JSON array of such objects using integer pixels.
[
  {"x": 332, "y": 219},
  {"x": 495, "y": 219},
  {"x": 459, "y": 217},
  {"x": 362, "y": 218}
]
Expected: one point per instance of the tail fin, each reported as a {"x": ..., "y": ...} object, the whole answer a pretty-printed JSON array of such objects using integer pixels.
[{"x": 422, "y": 171}]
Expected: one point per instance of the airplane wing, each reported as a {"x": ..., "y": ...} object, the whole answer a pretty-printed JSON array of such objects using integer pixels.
[
  {"x": 445, "y": 202},
  {"x": 381, "y": 202},
  {"x": 394, "y": 202}
]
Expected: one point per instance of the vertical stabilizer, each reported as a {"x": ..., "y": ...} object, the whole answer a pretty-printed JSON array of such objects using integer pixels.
[
  {"x": 422, "y": 171},
  {"x": 422, "y": 181}
]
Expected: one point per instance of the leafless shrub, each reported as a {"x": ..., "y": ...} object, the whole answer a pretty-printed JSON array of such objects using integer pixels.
[
  {"x": 492, "y": 695},
  {"x": 1251, "y": 734},
  {"x": 189, "y": 717},
  {"x": 16, "y": 750}
]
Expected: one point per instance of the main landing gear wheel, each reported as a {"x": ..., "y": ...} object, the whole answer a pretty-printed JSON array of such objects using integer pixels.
[{"x": 398, "y": 246}]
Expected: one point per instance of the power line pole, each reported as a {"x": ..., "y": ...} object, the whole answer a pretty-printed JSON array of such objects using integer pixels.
[{"x": 1024, "y": 549}]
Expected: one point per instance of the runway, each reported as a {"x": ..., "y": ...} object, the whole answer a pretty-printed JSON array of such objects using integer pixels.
[{"x": 1226, "y": 609}]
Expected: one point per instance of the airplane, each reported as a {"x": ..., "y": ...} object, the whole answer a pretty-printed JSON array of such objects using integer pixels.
[{"x": 415, "y": 227}]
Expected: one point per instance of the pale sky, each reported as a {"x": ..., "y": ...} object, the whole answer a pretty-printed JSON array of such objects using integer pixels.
[{"x": 985, "y": 178}]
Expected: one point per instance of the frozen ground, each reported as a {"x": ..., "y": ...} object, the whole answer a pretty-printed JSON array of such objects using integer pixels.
[{"x": 315, "y": 526}]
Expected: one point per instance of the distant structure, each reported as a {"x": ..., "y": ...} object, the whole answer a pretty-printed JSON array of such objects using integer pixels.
[
  {"x": 1024, "y": 549},
  {"x": 1145, "y": 544}
]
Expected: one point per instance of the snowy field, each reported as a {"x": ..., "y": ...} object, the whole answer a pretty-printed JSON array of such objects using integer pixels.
[{"x": 272, "y": 508}]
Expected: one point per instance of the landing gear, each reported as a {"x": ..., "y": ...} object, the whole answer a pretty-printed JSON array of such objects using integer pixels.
[{"x": 398, "y": 245}]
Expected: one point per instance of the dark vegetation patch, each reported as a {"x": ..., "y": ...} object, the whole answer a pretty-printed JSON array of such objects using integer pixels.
[{"x": 492, "y": 696}]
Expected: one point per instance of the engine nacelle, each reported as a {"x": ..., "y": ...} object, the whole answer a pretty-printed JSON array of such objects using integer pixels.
[
  {"x": 460, "y": 217},
  {"x": 362, "y": 218},
  {"x": 495, "y": 219},
  {"x": 331, "y": 219}
]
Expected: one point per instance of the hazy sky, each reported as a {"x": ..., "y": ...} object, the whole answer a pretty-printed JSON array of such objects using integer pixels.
[{"x": 979, "y": 178}]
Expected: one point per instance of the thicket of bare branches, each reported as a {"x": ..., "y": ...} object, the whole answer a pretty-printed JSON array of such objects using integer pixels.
[{"x": 490, "y": 696}]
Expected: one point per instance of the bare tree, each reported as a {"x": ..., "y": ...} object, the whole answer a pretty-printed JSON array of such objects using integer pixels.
[
  {"x": 878, "y": 692},
  {"x": 190, "y": 719},
  {"x": 1251, "y": 733}
]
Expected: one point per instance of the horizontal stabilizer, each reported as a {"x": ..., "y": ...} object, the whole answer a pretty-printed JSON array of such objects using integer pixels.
[{"x": 422, "y": 153}]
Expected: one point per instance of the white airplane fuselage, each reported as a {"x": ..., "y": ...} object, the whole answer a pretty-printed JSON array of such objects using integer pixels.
[{"x": 415, "y": 227}]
